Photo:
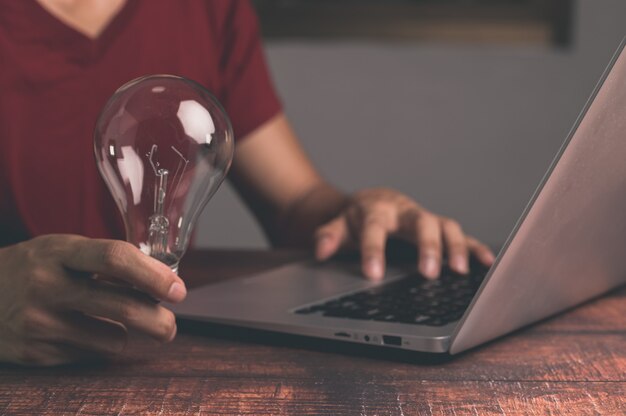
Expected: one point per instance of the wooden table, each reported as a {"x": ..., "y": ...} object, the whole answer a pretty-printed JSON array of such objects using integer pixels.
[{"x": 574, "y": 364}]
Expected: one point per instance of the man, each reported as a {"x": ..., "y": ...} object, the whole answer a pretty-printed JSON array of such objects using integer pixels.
[{"x": 58, "y": 225}]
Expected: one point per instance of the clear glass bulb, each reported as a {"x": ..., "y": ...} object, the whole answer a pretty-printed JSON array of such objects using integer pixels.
[{"x": 163, "y": 145}]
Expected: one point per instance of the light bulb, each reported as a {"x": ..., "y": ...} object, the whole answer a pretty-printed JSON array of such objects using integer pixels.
[{"x": 163, "y": 145}]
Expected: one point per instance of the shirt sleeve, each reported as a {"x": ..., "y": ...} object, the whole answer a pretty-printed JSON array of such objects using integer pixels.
[{"x": 246, "y": 90}]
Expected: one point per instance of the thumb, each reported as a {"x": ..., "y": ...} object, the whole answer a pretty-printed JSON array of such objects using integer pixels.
[{"x": 330, "y": 237}]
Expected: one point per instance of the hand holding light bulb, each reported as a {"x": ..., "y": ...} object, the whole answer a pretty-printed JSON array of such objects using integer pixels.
[
  {"x": 51, "y": 308},
  {"x": 163, "y": 145}
]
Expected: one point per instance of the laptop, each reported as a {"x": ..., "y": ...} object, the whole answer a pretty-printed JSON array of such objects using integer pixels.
[{"x": 568, "y": 246}]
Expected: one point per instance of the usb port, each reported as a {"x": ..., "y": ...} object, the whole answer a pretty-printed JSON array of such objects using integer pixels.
[{"x": 392, "y": 340}]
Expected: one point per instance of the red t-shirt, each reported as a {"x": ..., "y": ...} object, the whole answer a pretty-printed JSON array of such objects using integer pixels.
[{"x": 54, "y": 81}]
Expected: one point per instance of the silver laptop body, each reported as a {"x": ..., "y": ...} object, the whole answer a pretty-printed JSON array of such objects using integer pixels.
[{"x": 568, "y": 246}]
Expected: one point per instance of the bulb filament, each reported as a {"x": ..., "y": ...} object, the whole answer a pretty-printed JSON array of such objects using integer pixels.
[
  {"x": 179, "y": 173},
  {"x": 159, "y": 224},
  {"x": 158, "y": 229}
]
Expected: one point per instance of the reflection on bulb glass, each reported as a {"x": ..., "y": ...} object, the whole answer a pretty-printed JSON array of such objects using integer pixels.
[{"x": 163, "y": 145}]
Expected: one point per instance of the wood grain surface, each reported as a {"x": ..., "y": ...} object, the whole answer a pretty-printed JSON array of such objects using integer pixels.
[{"x": 573, "y": 364}]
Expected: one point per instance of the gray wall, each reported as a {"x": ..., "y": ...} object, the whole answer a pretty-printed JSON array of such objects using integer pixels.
[{"x": 468, "y": 131}]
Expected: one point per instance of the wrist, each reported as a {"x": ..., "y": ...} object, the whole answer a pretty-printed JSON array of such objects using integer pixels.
[{"x": 316, "y": 206}]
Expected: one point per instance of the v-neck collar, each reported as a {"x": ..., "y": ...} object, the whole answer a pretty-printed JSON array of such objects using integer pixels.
[{"x": 58, "y": 34}]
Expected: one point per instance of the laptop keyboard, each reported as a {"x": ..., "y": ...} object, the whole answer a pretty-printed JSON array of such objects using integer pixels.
[{"x": 409, "y": 300}]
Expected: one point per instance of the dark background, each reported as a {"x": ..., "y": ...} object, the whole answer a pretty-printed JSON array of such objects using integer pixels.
[{"x": 466, "y": 126}]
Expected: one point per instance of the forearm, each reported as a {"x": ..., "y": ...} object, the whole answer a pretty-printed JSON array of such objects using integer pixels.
[
  {"x": 296, "y": 225},
  {"x": 276, "y": 179}
]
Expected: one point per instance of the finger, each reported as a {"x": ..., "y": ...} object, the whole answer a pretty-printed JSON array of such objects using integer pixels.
[
  {"x": 429, "y": 245},
  {"x": 50, "y": 354},
  {"x": 456, "y": 246},
  {"x": 109, "y": 279},
  {"x": 124, "y": 305},
  {"x": 482, "y": 252},
  {"x": 124, "y": 261},
  {"x": 75, "y": 329},
  {"x": 330, "y": 237},
  {"x": 91, "y": 334},
  {"x": 373, "y": 239}
]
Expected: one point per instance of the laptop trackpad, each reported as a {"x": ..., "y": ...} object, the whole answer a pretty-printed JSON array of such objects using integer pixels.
[
  {"x": 279, "y": 289},
  {"x": 295, "y": 284}
]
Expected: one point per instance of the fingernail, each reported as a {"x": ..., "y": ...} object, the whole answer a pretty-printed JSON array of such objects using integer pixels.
[
  {"x": 177, "y": 292},
  {"x": 459, "y": 264},
  {"x": 489, "y": 258},
  {"x": 173, "y": 333},
  {"x": 374, "y": 268},
  {"x": 430, "y": 267}
]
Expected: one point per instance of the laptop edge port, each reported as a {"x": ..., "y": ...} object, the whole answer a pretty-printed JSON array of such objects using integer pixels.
[{"x": 392, "y": 340}]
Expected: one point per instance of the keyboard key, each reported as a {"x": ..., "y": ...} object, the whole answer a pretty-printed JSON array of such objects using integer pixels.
[{"x": 410, "y": 300}]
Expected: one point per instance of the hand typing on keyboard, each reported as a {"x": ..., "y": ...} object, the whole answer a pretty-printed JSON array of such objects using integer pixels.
[{"x": 373, "y": 215}]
